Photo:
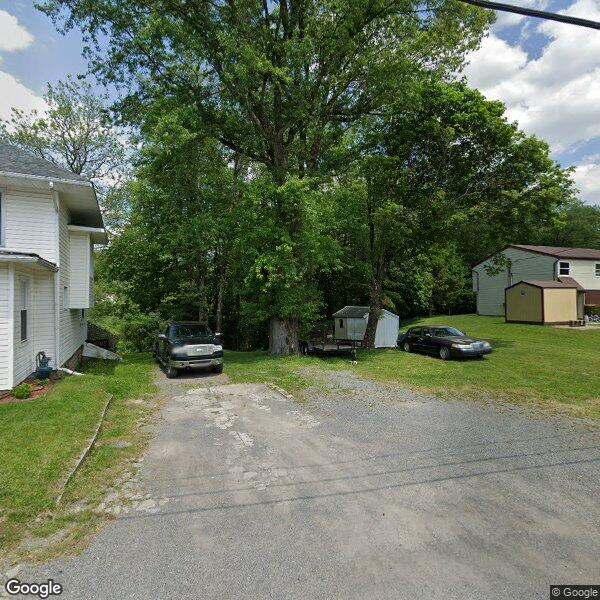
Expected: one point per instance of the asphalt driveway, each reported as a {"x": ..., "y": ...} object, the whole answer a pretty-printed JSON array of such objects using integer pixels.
[{"x": 362, "y": 492}]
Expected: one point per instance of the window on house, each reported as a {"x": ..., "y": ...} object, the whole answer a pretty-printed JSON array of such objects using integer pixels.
[
  {"x": 341, "y": 323},
  {"x": 564, "y": 268},
  {"x": 65, "y": 298},
  {"x": 597, "y": 269},
  {"x": 24, "y": 307}
]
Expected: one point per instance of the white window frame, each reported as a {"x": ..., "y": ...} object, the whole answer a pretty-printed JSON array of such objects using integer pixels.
[
  {"x": 24, "y": 294},
  {"x": 597, "y": 267},
  {"x": 2, "y": 216},
  {"x": 560, "y": 268}
]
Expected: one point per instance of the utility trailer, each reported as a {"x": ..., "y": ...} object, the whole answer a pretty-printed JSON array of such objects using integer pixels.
[{"x": 322, "y": 343}]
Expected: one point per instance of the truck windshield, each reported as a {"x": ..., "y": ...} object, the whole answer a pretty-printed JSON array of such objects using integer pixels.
[{"x": 190, "y": 330}]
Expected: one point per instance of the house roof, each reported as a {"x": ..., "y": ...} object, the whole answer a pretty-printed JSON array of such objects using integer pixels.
[
  {"x": 15, "y": 161},
  {"x": 560, "y": 252},
  {"x": 27, "y": 257},
  {"x": 549, "y": 283},
  {"x": 555, "y": 251}
]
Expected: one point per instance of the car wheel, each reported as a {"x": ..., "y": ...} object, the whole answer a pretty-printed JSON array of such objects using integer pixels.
[
  {"x": 406, "y": 347},
  {"x": 444, "y": 353},
  {"x": 218, "y": 369},
  {"x": 171, "y": 372}
]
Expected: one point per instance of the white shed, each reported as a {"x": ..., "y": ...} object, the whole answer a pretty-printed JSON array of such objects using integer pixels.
[{"x": 351, "y": 324}]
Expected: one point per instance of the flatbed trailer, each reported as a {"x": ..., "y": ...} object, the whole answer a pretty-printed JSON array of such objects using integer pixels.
[{"x": 330, "y": 347}]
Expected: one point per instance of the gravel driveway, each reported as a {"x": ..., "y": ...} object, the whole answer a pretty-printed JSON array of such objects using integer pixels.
[{"x": 362, "y": 492}]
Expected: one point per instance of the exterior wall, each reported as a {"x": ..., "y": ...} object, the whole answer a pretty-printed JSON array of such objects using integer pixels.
[
  {"x": 91, "y": 274},
  {"x": 560, "y": 306},
  {"x": 23, "y": 351},
  {"x": 386, "y": 335},
  {"x": 30, "y": 223},
  {"x": 72, "y": 327},
  {"x": 353, "y": 329},
  {"x": 5, "y": 330},
  {"x": 79, "y": 269},
  {"x": 44, "y": 315},
  {"x": 525, "y": 265},
  {"x": 524, "y": 303},
  {"x": 584, "y": 272}
]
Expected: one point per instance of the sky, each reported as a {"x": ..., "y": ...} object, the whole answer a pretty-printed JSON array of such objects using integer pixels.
[{"x": 547, "y": 74}]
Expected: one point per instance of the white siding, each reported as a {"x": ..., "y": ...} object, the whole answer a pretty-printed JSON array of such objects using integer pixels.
[
  {"x": 386, "y": 334},
  {"x": 584, "y": 272},
  {"x": 23, "y": 359},
  {"x": 79, "y": 269},
  {"x": 30, "y": 223},
  {"x": 524, "y": 265},
  {"x": 5, "y": 331},
  {"x": 43, "y": 315},
  {"x": 72, "y": 328},
  {"x": 91, "y": 274}
]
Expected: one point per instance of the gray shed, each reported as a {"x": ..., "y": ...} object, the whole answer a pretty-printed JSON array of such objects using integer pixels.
[{"x": 351, "y": 324}]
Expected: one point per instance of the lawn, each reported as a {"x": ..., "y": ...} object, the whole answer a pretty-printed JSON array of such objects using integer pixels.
[
  {"x": 557, "y": 369},
  {"x": 40, "y": 439}
]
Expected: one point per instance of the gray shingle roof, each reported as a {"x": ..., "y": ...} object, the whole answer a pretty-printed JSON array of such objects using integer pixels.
[
  {"x": 559, "y": 252},
  {"x": 15, "y": 160},
  {"x": 352, "y": 312}
]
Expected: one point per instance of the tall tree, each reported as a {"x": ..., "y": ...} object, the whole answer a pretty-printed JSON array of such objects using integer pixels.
[
  {"x": 451, "y": 166},
  {"x": 75, "y": 131},
  {"x": 278, "y": 82}
]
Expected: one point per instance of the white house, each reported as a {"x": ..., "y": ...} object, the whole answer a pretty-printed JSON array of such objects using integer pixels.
[
  {"x": 351, "y": 324},
  {"x": 574, "y": 266},
  {"x": 49, "y": 223}
]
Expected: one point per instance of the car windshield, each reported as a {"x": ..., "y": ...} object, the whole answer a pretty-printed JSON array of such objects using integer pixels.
[
  {"x": 447, "y": 332},
  {"x": 190, "y": 330}
]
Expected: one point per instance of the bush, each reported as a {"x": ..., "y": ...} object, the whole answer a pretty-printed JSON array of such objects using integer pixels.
[{"x": 21, "y": 391}]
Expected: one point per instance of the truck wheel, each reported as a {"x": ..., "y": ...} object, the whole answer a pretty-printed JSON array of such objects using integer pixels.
[
  {"x": 171, "y": 372},
  {"x": 218, "y": 369}
]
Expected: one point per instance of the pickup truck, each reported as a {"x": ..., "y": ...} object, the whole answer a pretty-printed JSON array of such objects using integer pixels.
[{"x": 188, "y": 345}]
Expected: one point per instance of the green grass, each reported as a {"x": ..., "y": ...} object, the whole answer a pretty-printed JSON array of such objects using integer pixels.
[
  {"x": 553, "y": 368},
  {"x": 40, "y": 439}
]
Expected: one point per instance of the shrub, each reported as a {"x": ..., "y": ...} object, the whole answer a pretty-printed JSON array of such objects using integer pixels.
[{"x": 21, "y": 391}]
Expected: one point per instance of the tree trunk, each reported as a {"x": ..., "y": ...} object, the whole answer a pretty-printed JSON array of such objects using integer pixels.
[
  {"x": 219, "y": 303},
  {"x": 283, "y": 336},
  {"x": 376, "y": 304}
]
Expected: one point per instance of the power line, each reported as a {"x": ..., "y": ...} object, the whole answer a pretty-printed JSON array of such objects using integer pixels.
[{"x": 530, "y": 12}]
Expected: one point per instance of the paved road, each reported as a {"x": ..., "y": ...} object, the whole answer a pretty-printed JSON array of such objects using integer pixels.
[{"x": 355, "y": 494}]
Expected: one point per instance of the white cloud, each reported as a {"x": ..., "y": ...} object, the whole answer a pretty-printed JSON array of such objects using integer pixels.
[
  {"x": 13, "y": 36},
  {"x": 555, "y": 96},
  {"x": 587, "y": 179},
  {"x": 15, "y": 94}
]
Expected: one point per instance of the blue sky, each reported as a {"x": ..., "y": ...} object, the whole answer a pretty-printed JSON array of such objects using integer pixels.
[{"x": 548, "y": 74}]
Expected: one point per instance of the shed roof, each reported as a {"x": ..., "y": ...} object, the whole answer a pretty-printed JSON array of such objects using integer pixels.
[
  {"x": 549, "y": 283},
  {"x": 572, "y": 282},
  {"x": 13, "y": 160},
  {"x": 356, "y": 312}
]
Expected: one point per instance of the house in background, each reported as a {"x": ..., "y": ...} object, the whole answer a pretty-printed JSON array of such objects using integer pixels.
[
  {"x": 49, "y": 223},
  {"x": 577, "y": 268},
  {"x": 351, "y": 324}
]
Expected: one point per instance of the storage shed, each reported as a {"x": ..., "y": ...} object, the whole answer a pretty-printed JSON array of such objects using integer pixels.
[
  {"x": 542, "y": 302},
  {"x": 351, "y": 324}
]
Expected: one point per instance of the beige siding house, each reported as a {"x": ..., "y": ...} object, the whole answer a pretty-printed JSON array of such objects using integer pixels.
[
  {"x": 49, "y": 223},
  {"x": 578, "y": 266}
]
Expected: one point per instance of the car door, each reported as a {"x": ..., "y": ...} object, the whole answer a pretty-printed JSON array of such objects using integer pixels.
[
  {"x": 427, "y": 341},
  {"x": 163, "y": 344},
  {"x": 414, "y": 338}
]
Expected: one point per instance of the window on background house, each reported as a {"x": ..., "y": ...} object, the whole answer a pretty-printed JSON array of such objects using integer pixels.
[
  {"x": 65, "y": 298},
  {"x": 564, "y": 268},
  {"x": 597, "y": 269},
  {"x": 24, "y": 307}
]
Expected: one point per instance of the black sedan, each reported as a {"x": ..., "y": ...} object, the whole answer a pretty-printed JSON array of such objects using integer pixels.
[{"x": 446, "y": 342}]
